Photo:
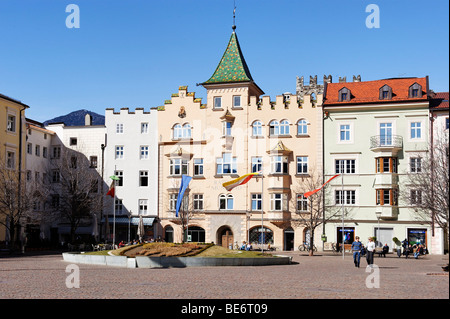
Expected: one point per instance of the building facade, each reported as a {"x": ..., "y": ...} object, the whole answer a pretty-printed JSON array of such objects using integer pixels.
[
  {"x": 375, "y": 135},
  {"x": 131, "y": 154},
  {"x": 236, "y": 132}
]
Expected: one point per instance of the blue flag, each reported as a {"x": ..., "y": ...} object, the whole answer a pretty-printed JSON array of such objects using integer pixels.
[{"x": 184, "y": 184}]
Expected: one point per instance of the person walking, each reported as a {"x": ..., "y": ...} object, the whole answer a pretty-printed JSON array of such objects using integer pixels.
[
  {"x": 370, "y": 251},
  {"x": 356, "y": 249}
]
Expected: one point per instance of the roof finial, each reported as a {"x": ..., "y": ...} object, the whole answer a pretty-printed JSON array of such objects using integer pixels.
[{"x": 234, "y": 17}]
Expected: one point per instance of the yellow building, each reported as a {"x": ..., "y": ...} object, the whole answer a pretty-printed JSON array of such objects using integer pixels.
[
  {"x": 238, "y": 131},
  {"x": 12, "y": 140}
]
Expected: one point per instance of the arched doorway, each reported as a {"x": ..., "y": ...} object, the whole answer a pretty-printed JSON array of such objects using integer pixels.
[
  {"x": 288, "y": 239},
  {"x": 168, "y": 234},
  {"x": 261, "y": 234},
  {"x": 225, "y": 237}
]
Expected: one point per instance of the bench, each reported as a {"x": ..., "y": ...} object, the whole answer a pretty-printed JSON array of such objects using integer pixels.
[
  {"x": 265, "y": 247},
  {"x": 381, "y": 252}
]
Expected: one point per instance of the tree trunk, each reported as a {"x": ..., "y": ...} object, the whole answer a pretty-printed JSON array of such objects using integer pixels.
[{"x": 311, "y": 242}]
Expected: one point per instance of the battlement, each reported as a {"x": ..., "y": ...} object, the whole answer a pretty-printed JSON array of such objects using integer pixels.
[
  {"x": 286, "y": 101},
  {"x": 182, "y": 94},
  {"x": 126, "y": 110}
]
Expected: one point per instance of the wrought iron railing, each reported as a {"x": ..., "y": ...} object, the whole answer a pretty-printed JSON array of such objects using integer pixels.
[{"x": 381, "y": 141}]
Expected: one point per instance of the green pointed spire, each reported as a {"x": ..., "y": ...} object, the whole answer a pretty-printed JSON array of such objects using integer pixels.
[{"x": 232, "y": 66}]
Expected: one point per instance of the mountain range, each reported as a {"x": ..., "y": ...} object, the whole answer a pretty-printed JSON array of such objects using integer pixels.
[{"x": 76, "y": 118}]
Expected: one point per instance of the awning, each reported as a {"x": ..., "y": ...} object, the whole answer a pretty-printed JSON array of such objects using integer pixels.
[{"x": 148, "y": 221}]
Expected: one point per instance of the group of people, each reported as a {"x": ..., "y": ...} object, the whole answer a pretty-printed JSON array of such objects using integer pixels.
[
  {"x": 358, "y": 249},
  {"x": 246, "y": 246},
  {"x": 416, "y": 249}
]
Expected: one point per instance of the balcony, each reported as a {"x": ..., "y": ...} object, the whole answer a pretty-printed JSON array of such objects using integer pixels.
[
  {"x": 386, "y": 180},
  {"x": 389, "y": 144}
]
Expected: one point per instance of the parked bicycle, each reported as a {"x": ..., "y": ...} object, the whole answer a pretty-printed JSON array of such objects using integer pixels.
[{"x": 306, "y": 247}]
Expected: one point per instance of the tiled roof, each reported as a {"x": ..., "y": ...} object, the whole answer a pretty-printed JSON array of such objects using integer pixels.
[
  {"x": 439, "y": 101},
  {"x": 232, "y": 66},
  {"x": 369, "y": 91}
]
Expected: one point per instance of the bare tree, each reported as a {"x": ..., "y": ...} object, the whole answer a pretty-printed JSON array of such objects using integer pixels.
[
  {"x": 317, "y": 208},
  {"x": 427, "y": 187},
  {"x": 74, "y": 188},
  {"x": 17, "y": 200}
]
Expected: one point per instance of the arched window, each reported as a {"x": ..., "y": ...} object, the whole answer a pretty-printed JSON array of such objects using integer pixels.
[
  {"x": 177, "y": 131},
  {"x": 261, "y": 234},
  {"x": 284, "y": 127},
  {"x": 302, "y": 127},
  {"x": 187, "y": 130},
  {"x": 274, "y": 128},
  {"x": 226, "y": 202},
  {"x": 257, "y": 128}
]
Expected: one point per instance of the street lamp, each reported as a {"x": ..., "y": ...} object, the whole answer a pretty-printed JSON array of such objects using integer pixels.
[{"x": 378, "y": 213}]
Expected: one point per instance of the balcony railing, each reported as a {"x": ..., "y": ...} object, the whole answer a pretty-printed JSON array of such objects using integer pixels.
[{"x": 386, "y": 142}]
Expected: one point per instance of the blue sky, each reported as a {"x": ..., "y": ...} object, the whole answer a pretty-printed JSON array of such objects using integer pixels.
[{"x": 136, "y": 53}]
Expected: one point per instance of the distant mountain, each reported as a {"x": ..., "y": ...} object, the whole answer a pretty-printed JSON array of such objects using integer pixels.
[{"x": 76, "y": 118}]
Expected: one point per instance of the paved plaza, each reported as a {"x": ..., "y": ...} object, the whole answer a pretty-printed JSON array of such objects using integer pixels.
[{"x": 325, "y": 276}]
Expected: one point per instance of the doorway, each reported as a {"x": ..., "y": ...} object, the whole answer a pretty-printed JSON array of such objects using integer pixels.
[
  {"x": 289, "y": 239},
  {"x": 225, "y": 237}
]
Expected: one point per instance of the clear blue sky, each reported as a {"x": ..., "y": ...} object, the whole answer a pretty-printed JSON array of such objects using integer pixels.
[{"x": 136, "y": 53}]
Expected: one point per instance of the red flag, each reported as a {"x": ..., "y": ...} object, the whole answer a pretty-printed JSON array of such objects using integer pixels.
[
  {"x": 306, "y": 195},
  {"x": 111, "y": 190}
]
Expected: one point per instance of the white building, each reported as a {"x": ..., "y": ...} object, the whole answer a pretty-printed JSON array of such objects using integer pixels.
[{"x": 132, "y": 155}]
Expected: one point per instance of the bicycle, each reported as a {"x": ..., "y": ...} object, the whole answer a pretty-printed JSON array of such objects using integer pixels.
[{"x": 306, "y": 247}]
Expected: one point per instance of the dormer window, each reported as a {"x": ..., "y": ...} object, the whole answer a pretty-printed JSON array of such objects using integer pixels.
[
  {"x": 385, "y": 92},
  {"x": 344, "y": 95},
  {"x": 415, "y": 91}
]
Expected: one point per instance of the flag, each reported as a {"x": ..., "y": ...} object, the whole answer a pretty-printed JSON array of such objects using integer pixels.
[
  {"x": 306, "y": 195},
  {"x": 111, "y": 191},
  {"x": 238, "y": 181},
  {"x": 185, "y": 180}
]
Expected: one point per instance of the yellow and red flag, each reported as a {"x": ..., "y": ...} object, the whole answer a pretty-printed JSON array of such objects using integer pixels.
[{"x": 239, "y": 181}]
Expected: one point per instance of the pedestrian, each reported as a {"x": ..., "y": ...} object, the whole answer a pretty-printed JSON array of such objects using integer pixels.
[
  {"x": 356, "y": 249},
  {"x": 370, "y": 247}
]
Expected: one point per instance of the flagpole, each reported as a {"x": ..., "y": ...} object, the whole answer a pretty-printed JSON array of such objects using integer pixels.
[
  {"x": 262, "y": 209},
  {"x": 342, "y": 204},
  {"x": 114, "y": 216}
]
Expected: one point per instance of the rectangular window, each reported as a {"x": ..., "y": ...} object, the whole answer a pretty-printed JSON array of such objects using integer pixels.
[
  {"x": 143, "y": 207},
  {"x": 346, "y": 197},
  {"x": 278, "y": 202},
  {"x": 11, "y": 125},
  {"x": 118, "y": 206},
  {"x": 386, "y": 165},
  {"x": 173, "y": 202},
  {"x": 119, "y": 152},
  {"x": 198, "y": 167},
  {"x": 302, "y": 203},
  {"x": 237, "y": 101},
  {"x": 345, "y": 166},
  {"x": 28, "y": 175},
  {"x": 55, "y": 176},
  {"x": 119, "y": 174},
  {"x": 256, "y": 164},
  {"x": 44, "y": 152},
  {"x": 198, "y": 201},
  {"x": 279, "y": 164},
  {"x": 302, "y": 165},
  {"x": 119, "y": 128},
  {"x": 416, "y": 130},
  {"x": 256, "y": 202},
  {"x": 226, "y": 164},
  {"x": 55, "y": 200},
  {"x": 30, "y": 148},
  {"x": 73, "y": 141},
  {"x": 93, "y": 161},
  {"x": 56, "y": 151},
  {"x": 178, "y": 167},
  {"x": 144, "y": 152},
  {"x": 144, "y": 128},
  {"x": 143, "y": 178},
  {"x": 37, "y": 151},
  {"x": 226, "y": 128},
  {"x": 10, "y": 160},
  {"x": 217, "y": 102},
  {"x": 415, "y": 164},
  {"x": 416, "y": 197},
  {"x": 387, "y": 196},
  {"x": 344, "y": 132}
]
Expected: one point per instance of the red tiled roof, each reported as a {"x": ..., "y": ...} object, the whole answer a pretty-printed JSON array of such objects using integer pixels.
[
  {"x": 369, "y": 91},
  {"x": 439, "y": 101}
]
